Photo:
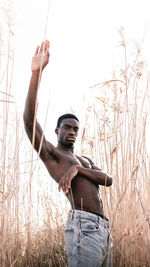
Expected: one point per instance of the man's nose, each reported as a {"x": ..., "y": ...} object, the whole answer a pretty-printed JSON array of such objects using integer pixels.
[{"x": 71, "y": 131}]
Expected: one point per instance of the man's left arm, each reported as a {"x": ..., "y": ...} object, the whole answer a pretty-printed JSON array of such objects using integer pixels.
[{"x": 94, "y": 174}]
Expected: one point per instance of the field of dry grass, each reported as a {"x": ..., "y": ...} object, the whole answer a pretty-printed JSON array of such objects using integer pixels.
[
  {"x": 120, "y": 143},
  {"x": 115, "y": 135}
]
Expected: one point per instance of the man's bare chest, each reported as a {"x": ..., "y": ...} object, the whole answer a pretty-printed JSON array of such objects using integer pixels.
[
  {"x": 58, "y": 168},
  {"x": 78, "y": 160}
]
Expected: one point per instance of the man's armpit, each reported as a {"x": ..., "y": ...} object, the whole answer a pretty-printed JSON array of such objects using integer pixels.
[{"x": 53, "y": 152}]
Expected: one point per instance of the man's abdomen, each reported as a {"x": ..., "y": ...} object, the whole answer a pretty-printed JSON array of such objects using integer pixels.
[{"x": 84, "y": 195}]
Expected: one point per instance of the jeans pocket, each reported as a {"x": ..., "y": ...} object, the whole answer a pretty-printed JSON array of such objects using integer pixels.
[{"x": 89, "y": 226}]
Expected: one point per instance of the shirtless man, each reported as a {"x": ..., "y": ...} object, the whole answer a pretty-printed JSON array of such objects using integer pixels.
[{"x": 87, "y": 229}]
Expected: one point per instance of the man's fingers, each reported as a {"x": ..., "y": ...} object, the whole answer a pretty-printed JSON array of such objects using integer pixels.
[
  {"x": 37, "y": 50},
  {"x": 65, "y": 181},
  {"x": 42, "y": 47},
  {"x": 59, "y": 187},
  {"x": 64, "y": 185},
  {"x": 69, "y": 183},
  {"x": 47, "y": 45}
]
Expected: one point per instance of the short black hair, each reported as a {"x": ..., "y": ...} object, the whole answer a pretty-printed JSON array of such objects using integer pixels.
[{"x": 66, "y": 116}]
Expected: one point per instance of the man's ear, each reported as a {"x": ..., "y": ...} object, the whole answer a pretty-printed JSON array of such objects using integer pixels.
[{"x": 56, "y": 130}]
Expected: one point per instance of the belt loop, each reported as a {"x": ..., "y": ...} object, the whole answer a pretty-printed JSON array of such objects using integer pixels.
[{"x": 72, "y": 215}]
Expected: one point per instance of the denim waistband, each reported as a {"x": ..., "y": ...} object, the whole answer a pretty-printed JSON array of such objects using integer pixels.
[{"x": 85, "y": 214}]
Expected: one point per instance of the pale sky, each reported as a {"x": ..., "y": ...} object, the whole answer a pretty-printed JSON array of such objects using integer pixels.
[{"x": 85, "y": 46}]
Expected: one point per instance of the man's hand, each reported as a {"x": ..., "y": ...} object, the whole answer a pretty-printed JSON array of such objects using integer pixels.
[
  {"x": 65, "y": 181},
  {"x": 41, "y": 57}
]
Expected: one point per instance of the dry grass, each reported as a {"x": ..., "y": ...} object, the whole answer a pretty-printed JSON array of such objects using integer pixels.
[
  {"x": 120, "y": 131},
  {"x": 32, "y": 215}
]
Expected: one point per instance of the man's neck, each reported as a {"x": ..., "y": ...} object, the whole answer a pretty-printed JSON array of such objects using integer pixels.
[{"x": 68, "y": 150}]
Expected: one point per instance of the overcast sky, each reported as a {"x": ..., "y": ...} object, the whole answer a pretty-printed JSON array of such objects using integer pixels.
[{"x": 85, "y": 46}]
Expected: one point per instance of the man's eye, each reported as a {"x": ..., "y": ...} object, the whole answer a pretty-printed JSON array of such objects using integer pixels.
[{"x": 76, "y": 130}]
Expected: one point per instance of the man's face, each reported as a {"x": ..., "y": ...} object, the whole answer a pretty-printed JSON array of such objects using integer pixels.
[{"x": 67, "y": 132}]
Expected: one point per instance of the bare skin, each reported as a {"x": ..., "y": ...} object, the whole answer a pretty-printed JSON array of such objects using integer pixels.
[{"x": 77, "y": 176}]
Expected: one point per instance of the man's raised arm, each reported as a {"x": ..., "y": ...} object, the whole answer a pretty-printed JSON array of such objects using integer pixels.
[{"x": 39, "y": 61}]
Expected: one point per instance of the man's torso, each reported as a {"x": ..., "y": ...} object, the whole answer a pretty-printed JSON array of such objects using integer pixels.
[{"x": 84, "y": 194}]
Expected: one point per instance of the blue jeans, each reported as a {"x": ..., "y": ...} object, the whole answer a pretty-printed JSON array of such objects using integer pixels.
[{"x": 88, "y": 240}]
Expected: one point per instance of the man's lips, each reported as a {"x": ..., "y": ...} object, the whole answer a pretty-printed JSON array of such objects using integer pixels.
[{"x": 71, "y": 139}]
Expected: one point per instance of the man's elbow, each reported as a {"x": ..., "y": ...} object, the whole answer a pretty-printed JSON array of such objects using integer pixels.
[{"x": 109, "y": 181}]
